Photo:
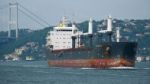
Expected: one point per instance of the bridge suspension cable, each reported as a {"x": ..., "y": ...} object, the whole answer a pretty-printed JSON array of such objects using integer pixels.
[
  {"x": 31, "y": 17},
  {"x": 40, "y": 19}
]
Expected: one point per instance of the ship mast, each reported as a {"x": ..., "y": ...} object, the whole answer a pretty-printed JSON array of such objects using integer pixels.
[
  {"x": 90, "y": 29},
  {"x": 109, "y": 26},
  {"x": 108, "y": 30},
  {"x": 118, "y": 34},
  {"x": 64, "y": 22},
  {"x": 90, "y": 32}
]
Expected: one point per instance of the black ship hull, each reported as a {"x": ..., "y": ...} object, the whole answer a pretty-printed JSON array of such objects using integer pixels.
[{"x": 104, "y": 55}]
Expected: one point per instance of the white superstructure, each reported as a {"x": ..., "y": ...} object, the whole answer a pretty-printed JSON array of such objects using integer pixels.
[{"x": 61, "y": 36}]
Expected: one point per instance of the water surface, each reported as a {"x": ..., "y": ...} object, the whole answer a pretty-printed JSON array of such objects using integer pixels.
[{"x": 38, "y": 72}]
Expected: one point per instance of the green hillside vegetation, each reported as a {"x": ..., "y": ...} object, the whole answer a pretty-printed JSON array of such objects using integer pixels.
[
  {"x": 131, "y": 30},
  {"x": 34, "y": 36}
]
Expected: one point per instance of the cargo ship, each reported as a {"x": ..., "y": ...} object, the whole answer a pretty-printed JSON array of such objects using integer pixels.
[{"x": 67, "y": 46}]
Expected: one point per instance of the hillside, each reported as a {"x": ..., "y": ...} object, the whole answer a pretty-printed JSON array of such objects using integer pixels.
[
  {"x": 26, "y": 36},
  {"x": 31, "y": 43}
]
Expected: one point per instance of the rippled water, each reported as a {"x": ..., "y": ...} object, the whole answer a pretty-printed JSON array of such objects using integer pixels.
[{"x": 38, "y": 72}]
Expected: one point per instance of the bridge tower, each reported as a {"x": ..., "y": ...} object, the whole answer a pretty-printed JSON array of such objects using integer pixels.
[{"x": 13, "y": 19}]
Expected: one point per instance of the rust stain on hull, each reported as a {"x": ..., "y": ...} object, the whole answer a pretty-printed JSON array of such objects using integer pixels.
[{"x": 91, "y": 63}]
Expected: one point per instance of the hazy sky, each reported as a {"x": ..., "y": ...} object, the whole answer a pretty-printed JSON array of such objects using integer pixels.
[{"x": 79, "y": 10}]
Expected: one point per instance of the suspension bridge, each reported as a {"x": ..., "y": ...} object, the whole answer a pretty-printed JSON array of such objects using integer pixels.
[{"x": 16, "y": 11}]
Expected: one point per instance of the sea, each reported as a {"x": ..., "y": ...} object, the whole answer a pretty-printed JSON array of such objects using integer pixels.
[{"x": 38, "y": 72}]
